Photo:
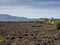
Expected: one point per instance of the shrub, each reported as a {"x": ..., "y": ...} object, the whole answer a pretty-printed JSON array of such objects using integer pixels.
[
  {"x": 58, "y": 25},
  {"x": 40, "y": 22},
  {"x": 49, "y": 36},
  {"x": 2, "y": 40}
]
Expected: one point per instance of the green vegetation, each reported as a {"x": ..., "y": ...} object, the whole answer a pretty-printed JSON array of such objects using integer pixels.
[
  {"x": 58, "y": 25},
  {"x": 40, "y": 22},
  {"x": 2, "y": 40},
  {"x": 56, "y": 21},
  {"x": 49, "y": 36}
]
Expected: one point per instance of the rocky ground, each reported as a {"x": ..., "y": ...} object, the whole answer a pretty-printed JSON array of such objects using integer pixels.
[{"x": 28, "y": 33}]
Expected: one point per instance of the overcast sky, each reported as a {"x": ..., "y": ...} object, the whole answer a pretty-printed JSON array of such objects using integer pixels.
[{"x": 31, "y": 8}]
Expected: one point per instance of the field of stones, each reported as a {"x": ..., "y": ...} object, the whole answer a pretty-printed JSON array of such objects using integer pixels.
[{"x": 28, "y": 33}]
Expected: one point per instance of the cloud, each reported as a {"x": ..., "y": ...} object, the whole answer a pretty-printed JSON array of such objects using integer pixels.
[
  {"x": 44, "y": 3},
  {"x": 30, "y": 12},
  {"x": 4, "y": 1},
  {"x": 28, "y": 2},
  {"x": 37, "y": 2},
  {"x": 27, "y": 8},
  {"x": 31, "y": 3}
]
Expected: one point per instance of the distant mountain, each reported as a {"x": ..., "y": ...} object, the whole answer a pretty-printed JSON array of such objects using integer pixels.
[{"x": 6, "y": 17}]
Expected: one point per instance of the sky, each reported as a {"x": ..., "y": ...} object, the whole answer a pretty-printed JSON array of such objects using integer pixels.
[{"x": 31, "y": 8}]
